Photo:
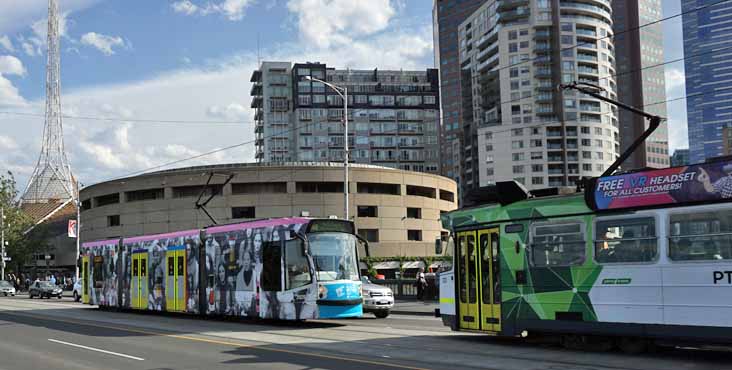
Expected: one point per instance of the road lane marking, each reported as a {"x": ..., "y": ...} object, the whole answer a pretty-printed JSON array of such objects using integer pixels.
[
  {"x": 213, "y": 341},
  {"x": 96, "y": 349}
]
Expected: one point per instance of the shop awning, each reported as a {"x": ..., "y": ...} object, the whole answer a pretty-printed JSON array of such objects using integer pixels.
[{"x": 387, "y": 265}]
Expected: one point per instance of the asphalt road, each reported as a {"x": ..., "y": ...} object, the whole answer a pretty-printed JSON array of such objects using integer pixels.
[{"x": 60, "y": 334}]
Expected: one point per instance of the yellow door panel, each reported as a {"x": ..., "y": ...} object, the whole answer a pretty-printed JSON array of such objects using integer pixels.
[
  {"x": 468, "y": 281},
  {"x": 490, "y": 308},
  {"x": 85, "y": 279}
]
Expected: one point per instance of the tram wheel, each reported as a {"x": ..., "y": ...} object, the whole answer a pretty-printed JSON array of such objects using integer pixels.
[
  {"x": 573, "y": 341},
  {"x": 632, "y": 345}
]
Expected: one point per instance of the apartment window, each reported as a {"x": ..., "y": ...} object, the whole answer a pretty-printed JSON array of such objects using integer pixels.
[
  {"x": 489, "y": 148},
  {"x": 106, "y": 199},
  {"x": 376, "y": 188},
  {"x": 514, "y": 72},
  {"x": 512, "y": 35},
  {"x": 259, "y": 187},
  {"x": 586, "y": 155},
  {"x": 585, "y": 130},
  {"x": 304, "y": 99},
  {"x": 243, "y": 212},
  {"x": 368, "y": 211},
  {"x": 489, "y": 171},
  {"x": 537, "y": 155},
  {"x": 517, "y": 144},
  {"x": 87, "y": 204},
  {"x": 586, "y": 142},
  {"x": 147, "y": 194},
  {"x": 598, "y": 131},
  {"x": 414, "y": 235},
  {"x": 518, "y": 169},
  {"x": 536, "y": 143},
  {"x": 371, "y": 235},
  {"x": 537, "y": 167},
  {"x": 513, "y": 47},
  {"x": 517, "y": 132},
  {"x": 586, "y": 166},
  {"x": 414, "y": 212},
  {"x": 319, "y": 187},
  {"x": 113, "y": 220},
  {"x": 195, "y": 191},
  {"x": 429, "y": 99},
  {"x": 447, "y": 195},
  {"x": 537, "y": 180},
  {"x": 518, "y": 156}
]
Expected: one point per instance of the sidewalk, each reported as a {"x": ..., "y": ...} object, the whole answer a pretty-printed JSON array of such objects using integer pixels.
[{"x": 415, "y": 307}]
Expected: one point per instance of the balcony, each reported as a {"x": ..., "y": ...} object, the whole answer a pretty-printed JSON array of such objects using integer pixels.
[
  {"x": 512, "y": 15},
  {"x": 510, "y": 4},
  {"x": 256, "y": 76},
  {"x": 256, "y": 102},
  {"x": 485, "y": 53},
  {"x": 587, "y": 70},
  {"x": 586, "y": 57},
  {"x": 586, "y": 32},
  {"x": 256, "y": 89},
  {"x": 543, "y": 72},
  {"x": 491, "y": 36},
  {"x": 543, "y": 59},
  {"x": 488, "y": 63},
  {"x": 588, "y": 9},
  {"x": 542, "y": 35}
]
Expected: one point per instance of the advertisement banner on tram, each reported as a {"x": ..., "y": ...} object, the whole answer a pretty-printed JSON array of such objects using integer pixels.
[{"x": 688, "y": 184}]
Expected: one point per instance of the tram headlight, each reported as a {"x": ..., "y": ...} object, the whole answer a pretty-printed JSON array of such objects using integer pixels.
[{"x": 322, "y": 291}]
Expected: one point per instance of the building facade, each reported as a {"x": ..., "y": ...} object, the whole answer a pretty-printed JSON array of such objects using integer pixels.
[
  {"x": 680, "y": 157},
  {"x": 514, "y": 55},
  {"x": 707, "y": 75},
  {"x": 640, "y": 84},
  {"x": 459, "y": 157},
  {"x": 397, "y": 211},
  {"x": 393, "y": 116}
]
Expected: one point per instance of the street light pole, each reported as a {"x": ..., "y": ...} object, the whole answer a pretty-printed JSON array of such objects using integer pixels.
[{"x": 344, "y": 96}]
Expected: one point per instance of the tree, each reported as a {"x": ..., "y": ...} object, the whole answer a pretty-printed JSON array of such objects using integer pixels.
[{"x": 16, "y": 222}]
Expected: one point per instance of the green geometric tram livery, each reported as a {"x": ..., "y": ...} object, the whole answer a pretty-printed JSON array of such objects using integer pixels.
[{"x": 641, "y": 255}]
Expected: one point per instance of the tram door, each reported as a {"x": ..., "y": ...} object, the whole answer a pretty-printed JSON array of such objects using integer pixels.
[
  {"x": 138, "y": 285},
  {"x": 469, "y": 309},
  {"x": 489, "y": 277},
  {"x": 175, "y": 281},
  {"x": 85, "y": 279}
]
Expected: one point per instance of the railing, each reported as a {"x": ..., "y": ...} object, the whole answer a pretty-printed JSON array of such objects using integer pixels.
[{"x": 404, "y": 288}]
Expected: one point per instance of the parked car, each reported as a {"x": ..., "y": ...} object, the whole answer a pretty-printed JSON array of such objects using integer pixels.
[
  {"x": 6, "y": 288},
  {"x": 77, "y": 291},
  {"x": 44, "y": 289},
  {"x": 377, "y": 299}
]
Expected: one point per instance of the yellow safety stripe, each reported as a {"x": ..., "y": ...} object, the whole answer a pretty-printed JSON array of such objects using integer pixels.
[{"x": 447, "y": 300}]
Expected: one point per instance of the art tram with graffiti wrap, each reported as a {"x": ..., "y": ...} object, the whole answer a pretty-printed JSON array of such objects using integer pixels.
[
  {"x": 284, "y": 268},
  {"x": 634, "y": 259}
]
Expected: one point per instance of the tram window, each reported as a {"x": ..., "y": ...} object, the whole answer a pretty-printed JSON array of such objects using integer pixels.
[
  {"x": 557, "y": 244},
  {"x": 271, "y": 267},
  {"x": 297, "y": 271},
  {"x": 626, "y": 240},
  {"x": 171, "y": 266},
  {"x": 701, "y": 236},
  {"x": 98, "y": 271}
]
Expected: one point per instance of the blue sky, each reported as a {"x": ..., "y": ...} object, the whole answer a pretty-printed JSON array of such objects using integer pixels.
[{"x": 191, "y": 60}]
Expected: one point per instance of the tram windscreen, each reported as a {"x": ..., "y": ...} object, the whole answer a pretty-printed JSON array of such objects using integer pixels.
[{"x": 334, "y": 255}]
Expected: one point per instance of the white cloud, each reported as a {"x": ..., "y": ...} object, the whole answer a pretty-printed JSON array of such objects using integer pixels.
[
  {"x": 675, "y": 78},
  {"x": 232, "y": 9},
  {"x": 10, "y": 65},
  {"x": 9, "y": 94},
  {"x": 6, "y": 43},
  {"x": 21, "y": 13},
  {"x": 34, "y": 43},
  {"x": 233, "y": 111},
  {"x": 325, "y": 22},
  {"x": 103, "y": 43},
  {"x": 185, "y": 7},
  {"x": 7, "y": 143},
  {"x": 29, "y": 49}
]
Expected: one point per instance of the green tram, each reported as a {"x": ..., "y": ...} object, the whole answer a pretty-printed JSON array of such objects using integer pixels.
[{"x": 629, "y": 260}]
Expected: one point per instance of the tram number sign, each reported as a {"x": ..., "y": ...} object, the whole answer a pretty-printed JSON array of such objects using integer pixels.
[{"x": 721, "y": 276}]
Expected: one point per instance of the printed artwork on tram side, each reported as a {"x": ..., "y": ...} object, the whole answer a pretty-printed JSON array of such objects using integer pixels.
[
  {"x": 102, "y": 272},
  {"x": 238, "y": 284},
  {"x": 155, "y": 272}
]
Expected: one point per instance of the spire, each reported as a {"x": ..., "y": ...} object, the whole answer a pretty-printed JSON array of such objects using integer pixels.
[{"x": 52, "y": 180}]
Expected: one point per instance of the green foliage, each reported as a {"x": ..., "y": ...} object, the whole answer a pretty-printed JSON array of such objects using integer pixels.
[{"x": 19, "y": 247}]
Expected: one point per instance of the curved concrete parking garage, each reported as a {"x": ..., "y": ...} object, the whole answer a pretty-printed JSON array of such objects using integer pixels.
[{"x": 397, "y": 211}]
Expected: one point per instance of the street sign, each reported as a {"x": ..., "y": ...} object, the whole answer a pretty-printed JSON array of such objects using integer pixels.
[{"x": 7, "y": 259}]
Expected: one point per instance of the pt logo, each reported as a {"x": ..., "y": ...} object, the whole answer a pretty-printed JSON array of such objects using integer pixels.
[{"x": 720, "y": 277}]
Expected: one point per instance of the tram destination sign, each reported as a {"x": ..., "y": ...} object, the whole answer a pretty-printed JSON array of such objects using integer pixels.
[{"x": 706, "y": 182}]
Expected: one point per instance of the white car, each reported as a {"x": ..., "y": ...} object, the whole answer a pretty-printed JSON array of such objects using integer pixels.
[
  {"x": 77, "y": 291},
  {"x": 377, "y": 299},
  {"x": 6, "y": 288}
]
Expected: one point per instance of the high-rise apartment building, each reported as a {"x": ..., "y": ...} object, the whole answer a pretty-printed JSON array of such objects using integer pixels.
[
  {"x": 638, "y": 48},
  {"x": 708, "y": 75},
  {"x": 446, "y": 16},
  {"x": 513, "y": 55},
  {"x": 393, "y": 115},
  {"x": 680, "y": 157}
]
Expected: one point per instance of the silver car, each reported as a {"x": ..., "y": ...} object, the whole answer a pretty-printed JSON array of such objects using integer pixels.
[
  {"x": 377, "y": 299},
  {"x": 6, "y": 288}
]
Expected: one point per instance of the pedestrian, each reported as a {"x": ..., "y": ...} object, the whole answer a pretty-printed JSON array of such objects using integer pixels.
[{"x": 421, "y": 284}]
